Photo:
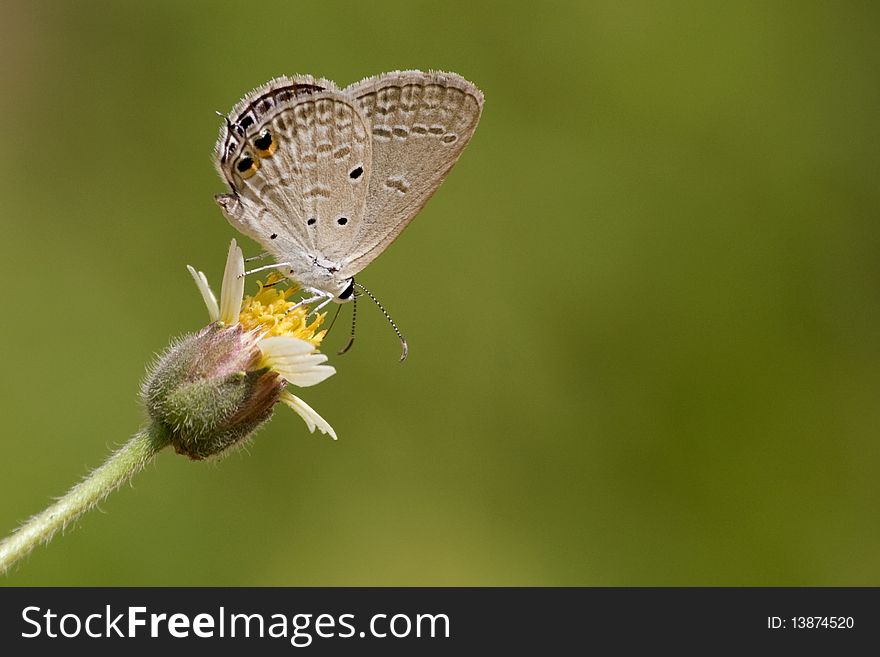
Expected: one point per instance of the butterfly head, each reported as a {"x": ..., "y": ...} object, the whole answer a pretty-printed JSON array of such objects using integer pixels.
[{"x": 347, "y": 294}]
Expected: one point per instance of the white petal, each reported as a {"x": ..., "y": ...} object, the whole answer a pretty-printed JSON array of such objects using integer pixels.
[
  {"x": 207, "y": 294},
  {"x": 295, "y": 360},
  {"x": 232, "y": 291},
  {"x": 306, "y": 378},
  {"x": 307, "y": 413},
  {"x": 285, "y": 346}
]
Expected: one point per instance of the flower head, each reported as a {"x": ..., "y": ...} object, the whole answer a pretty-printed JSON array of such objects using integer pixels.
[{"x": 213, "y": 389}]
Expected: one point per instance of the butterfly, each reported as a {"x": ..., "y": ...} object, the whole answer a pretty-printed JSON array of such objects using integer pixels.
[{"x": 326, "y": 178}]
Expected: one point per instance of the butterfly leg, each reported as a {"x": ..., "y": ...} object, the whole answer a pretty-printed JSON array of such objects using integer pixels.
[
  {"x": 327, "y": 299},
  {"x": 275, "y": 265},
  {"x": 304, "y": 302},
  {"x": 318, "y": 295},
  {"x": 264, "y": 254}
]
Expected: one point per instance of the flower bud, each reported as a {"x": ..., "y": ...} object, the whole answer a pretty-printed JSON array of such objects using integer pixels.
[{"x": 209, "y": 390}]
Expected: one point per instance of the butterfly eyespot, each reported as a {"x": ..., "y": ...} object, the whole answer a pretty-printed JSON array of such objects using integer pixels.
[
  {"x": 266, "y": 146},
  {"x": 356, "y": 173},
  {"x": 311, "y": 222},
  {"x": 247, "y": 166},
  {"x": 342, "y": 221},
  {"x": 273, "y": 236}
]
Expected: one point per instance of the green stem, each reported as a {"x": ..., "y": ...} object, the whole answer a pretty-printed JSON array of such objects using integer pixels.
[{"x": 120, "y": 466}]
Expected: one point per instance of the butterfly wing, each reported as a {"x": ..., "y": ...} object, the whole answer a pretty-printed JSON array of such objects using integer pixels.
[
  {"x": 299, "y": 172},
  {"x": 420, "y": 124}
]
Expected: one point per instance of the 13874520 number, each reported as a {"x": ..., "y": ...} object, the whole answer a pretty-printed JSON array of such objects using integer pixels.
[{"x": 821, "y": 622}]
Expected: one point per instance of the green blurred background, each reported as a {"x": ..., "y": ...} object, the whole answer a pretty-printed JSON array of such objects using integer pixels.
[{"x": 643, "y": 309}]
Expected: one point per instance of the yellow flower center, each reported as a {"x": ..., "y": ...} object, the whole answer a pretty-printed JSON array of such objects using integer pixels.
[{"x": 268, "y": 312}]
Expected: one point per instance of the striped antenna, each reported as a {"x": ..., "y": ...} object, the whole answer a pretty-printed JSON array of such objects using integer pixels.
[{"x": 404, "y": 346}]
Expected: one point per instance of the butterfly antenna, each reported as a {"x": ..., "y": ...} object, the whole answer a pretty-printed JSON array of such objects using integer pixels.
[
  {"x": 354, "y": 312},
  {"x": 404, "y": 347}
]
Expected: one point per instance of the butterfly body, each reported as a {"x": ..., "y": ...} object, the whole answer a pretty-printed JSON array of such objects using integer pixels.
[{"x": 326, "y": 178}]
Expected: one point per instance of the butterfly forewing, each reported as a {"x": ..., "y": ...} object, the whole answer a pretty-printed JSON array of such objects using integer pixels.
[{"x": 420, "y": 124}]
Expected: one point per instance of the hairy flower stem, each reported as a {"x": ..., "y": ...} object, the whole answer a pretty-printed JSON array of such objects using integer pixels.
[{"x": 121, "y": 466}]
